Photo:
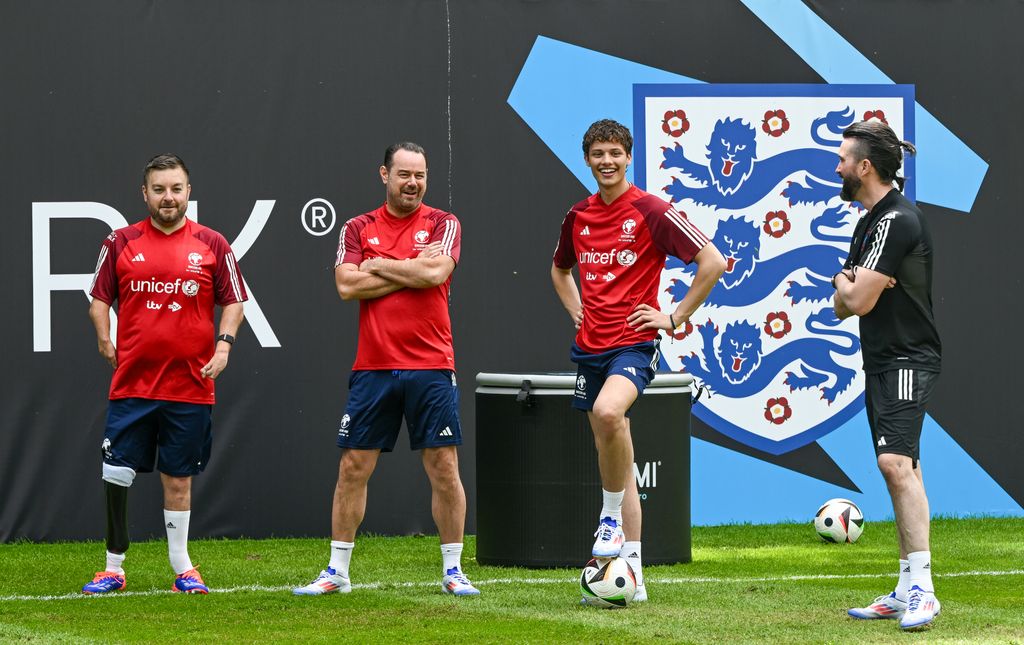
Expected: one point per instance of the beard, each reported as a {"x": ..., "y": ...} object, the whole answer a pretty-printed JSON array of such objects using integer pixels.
[
  {"x": 850, "y": 187},
  {"x": 405, "y": 202},
  {"x": 168, "y": 218}
]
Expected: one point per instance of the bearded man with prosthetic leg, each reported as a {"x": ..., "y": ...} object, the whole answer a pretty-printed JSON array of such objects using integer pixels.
[{"x": 167, "y": 274}]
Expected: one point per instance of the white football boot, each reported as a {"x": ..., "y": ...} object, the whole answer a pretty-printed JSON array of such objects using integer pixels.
[
  {"x": 456, "y": 583},
  {"x": 327, "y": 582},
  {"x": 922, "y": 608},
  {"x": 609, "y": 539},
  {"x": 881, "y": 607}
]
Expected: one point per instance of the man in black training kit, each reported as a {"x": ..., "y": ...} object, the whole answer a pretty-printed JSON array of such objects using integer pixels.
[{"x": 887, "y": 281}]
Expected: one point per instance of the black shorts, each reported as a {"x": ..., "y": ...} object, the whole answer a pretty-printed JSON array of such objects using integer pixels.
[{"x": 895, "y": 403}]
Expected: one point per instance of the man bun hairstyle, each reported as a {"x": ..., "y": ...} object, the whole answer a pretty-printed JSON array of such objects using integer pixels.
[
  {"x": 165, "y": 161},
  {"x": 877, "y": 143},
  {"x": 408, "y": 146},
  {"x": 607, "y": 130}
]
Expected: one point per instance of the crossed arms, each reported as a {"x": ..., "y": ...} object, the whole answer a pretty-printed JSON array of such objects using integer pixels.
[
  {"x": 378, "y": 277},
  {"x": 857, "y": 291}
]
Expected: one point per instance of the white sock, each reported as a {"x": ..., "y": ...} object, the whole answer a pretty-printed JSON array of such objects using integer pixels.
[
  {"x": 631, "y": 552},
  {"x": 903, "y": 586},
  {"x": 114, "y": 562},
  {"x": 176, "y": 523},
  {"x": 612, "y": 505},
  {"x": 341, "y": 555},
  {"x": 451, "y": 556},
  {"x": 921, "y": 569}
]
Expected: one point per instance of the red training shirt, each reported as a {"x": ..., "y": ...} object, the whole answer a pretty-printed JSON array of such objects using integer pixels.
[
  {"x": 408, "y": 329},
  {"x": 166, "y": 287},
  {"x": 621, "y": 248}
]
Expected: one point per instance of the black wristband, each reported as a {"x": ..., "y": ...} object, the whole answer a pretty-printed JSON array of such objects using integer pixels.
[
  {"x": 227, "y": 338},
  {"x": 672, "y": 322},
  {"x": 834, "y": 276}
]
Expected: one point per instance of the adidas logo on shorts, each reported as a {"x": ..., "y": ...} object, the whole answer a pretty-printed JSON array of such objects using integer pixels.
[{"x": 447, "y": 432}]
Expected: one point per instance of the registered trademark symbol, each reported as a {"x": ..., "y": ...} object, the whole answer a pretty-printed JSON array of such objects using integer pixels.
[{"x": 318, "y": 217}]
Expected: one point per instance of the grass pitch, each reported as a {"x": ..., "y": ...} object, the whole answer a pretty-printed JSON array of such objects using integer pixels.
[{"x": 746, "y": 584}]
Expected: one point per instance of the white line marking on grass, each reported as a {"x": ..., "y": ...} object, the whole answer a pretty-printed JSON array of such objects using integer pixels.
[{"x": 528, "y": 581}]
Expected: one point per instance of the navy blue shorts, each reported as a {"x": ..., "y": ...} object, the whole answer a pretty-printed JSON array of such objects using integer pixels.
[
  {"x": 176, "y": 436},
  {"x": 378, "y": 399},
  {"x": 635, "y": 362},
  {"x": 895, "y": 403}
]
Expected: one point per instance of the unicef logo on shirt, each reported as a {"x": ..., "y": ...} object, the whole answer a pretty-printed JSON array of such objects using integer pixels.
[
  {"x": 195, "y": 259},
  {"x": 422, "y": 236},
  {"x": 190, "y": 288},
  {"x": 626, "y": 257}
]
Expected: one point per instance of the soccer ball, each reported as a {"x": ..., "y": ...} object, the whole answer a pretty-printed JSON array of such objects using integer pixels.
[
  {"x": 839, "y": 520},
  {"x": 608, "y": 582}
]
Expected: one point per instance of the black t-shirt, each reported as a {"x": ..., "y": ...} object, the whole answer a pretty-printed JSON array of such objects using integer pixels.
[{"x": 893, "y": 239}]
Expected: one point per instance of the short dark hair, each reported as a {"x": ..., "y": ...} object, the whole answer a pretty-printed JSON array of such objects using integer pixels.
[
  {"x": 164, "y": 161},
  {"x": 607, "y": 130},
  {"x": 877, "y": 143},
  {"x": 408, "y": 146}
]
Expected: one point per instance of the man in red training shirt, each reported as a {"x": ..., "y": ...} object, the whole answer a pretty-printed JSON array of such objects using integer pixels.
[
  {"x": 166, "y": 273},
  {"x": 397, "y": 261},
  {"x": 620, "y": 237}
]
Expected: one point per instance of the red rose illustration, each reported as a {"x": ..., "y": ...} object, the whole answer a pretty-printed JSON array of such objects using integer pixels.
[
  {"x": 875, "y": 114},
  {"x": 777, "y": 410},
  {"x": 675, "y": 123},
  {"x": 776, "y": 223},
  {"x": 777, "y": 324},
  {"x": 775, "y": 123}
]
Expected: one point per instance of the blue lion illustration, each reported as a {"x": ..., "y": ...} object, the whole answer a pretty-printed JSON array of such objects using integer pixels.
[
  {"x": 739, "y": 368},
  {"x": 739, "y": 240},
  {"x": 735, "y": 178}
]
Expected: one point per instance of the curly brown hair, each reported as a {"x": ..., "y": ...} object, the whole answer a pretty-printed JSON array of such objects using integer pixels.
[{"x": 607, "y": 130}]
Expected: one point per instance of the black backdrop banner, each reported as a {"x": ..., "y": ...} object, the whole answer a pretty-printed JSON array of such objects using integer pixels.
[{"x": 283, "y": 110}]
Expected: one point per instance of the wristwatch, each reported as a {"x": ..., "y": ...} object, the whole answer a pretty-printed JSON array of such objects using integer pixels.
[{"x": 227, "y": 338}]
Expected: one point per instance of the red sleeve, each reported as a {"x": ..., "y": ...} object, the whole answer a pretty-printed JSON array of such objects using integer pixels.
[
  {"x": 565, "y": 253},
  {"x": 228, "y": 285},
  {"x": 104, "y": 281},
  {"x": 671, "y": 231},
  {"x": 448, "y": 232},
  {"x": 350, "y": 248}
]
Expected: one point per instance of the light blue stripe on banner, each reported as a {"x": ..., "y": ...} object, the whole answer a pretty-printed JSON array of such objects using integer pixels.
[
  {"x": 941, "y": 154},
  {"x": 563, "y": 88}
]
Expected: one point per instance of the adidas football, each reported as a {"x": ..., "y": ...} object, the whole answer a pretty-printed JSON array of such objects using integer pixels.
[
  {"x": 608, "y": 583},
  {"x": 839, "y": 520}
]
